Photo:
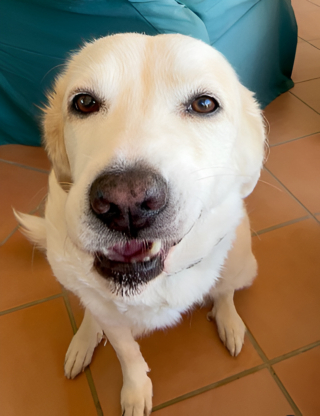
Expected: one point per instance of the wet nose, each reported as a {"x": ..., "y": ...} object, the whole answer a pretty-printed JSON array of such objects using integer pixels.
[{"x": 128, "y": 200}]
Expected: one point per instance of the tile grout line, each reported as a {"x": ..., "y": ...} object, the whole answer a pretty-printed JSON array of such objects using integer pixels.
[
  {"x": 281, "y": 225},
  {"x": 294, "y": 353},
  {"x": 284, "y": 391},
  {"x": 69, "y": 310},
  {"x": 306, "y": 80},
  {"x": 293, "y": 140},
  {"x": 315, "y": 4},
  {"x": 16, "y": 228},
  {"x": 269, "y": 367},
  {"x": 317, "y": 112},
  {"x": 293, "y": 196},
  {"x": 256, "y": 346},
  {"x": 211, "y": 386},
  {"x": 309, "y": 41},
  {"x": 29, "y": 304},
  {"x": 87, "y": 371},
  {"x": 93, "y": 391},
  {"x": 20, "y": 165}
]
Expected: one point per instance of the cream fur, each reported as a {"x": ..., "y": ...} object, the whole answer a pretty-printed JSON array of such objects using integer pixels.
[{"x": 211, "y": 164}]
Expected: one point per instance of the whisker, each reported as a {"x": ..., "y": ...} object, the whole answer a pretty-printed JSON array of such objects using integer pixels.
[
  {"x": 64, "y": 244},
  {"x": 66, "y": 63},
  {"x": 212, "y": 167},
  {"x": 255, "y": 233},
  {"x": 52, "y": 69},
  {"x": 267, "y": 124},
  {"x": 223, "y": 174},
  {"x": 267, "y": 152},
  {"x": 267, "y": 146},
  {"x": 32, "y": 257},
  {"x": 273, "y": 186},
  {"x": 37, "y": 193}
]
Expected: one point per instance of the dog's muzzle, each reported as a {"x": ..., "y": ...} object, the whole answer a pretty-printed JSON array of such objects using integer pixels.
[{"x": 128, "y": 202}]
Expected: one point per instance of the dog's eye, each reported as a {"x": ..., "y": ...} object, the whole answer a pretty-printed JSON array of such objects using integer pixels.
[
  {"x": 204, "y": 105},
  {"x": 85, "y": 103}
]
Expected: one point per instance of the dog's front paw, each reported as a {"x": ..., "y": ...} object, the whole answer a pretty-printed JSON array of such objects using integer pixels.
[
  {"x": 80, "y": 353},
  {"x": 136, "y": 398},
  {"x": 231, "y": 328}
]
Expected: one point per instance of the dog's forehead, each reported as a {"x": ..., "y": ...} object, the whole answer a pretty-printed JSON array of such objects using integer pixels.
[{"x": 126, "y": 57}]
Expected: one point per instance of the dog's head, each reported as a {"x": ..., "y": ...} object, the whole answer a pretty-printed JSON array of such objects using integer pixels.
[{"x": 152, "y": 133}]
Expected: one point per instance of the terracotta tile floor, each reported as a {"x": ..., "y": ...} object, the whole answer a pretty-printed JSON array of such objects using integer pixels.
[{"x": 277, "y": 373}]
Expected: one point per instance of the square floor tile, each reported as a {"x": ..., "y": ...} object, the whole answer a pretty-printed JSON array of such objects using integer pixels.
[
  {"x": 33, "y": 343},
  {"x": 25, "y": 155},
  {"x": 289, "y": 118},
  {"x": 301, "y": 378},
  {"x": 22, "y": 189},
  {"x": 254, "y": 395},
  {"x": 309, "y": 92},
  {"x": 182, "y": 359},
  {"x": 282, "y": 308},
  {"x": 25, "y": 273},
  {"x": 270, "y": 204},
  {"x": 308, "y": 17},
  {"x": 297, "y": 165},
  {"x": 307, "y": 63},
  {"x": 302, "y": 5}
]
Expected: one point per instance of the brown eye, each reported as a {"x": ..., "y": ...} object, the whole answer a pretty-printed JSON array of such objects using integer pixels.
[
  {"x": 85, "y": 103},
  {"x": 204, "y": 105}
]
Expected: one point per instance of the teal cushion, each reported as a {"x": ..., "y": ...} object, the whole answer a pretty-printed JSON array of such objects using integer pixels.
[{"x": 257, "y": 37}]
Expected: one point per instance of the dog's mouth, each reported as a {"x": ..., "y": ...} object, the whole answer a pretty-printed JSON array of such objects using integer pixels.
[{"x": 131, "y": 265}]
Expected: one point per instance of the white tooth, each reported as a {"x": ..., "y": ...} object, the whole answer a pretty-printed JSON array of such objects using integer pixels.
[
  {"x": 146, "y": 259},
  {"x": 156, "y": 246}
]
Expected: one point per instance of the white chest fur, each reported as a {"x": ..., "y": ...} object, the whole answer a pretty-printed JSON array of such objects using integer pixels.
[{"x": 163, "y": 299}]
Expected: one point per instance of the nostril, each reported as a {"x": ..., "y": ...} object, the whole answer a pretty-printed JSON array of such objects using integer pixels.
[
  {"x": 99, "y": 203},
  {"x": 145, "y": 206},
  {"x": 129, "y": 200},
  {"x": 153, "y": 204}
]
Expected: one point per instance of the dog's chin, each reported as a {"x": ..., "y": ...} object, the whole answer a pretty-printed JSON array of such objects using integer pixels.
[
  {"x": 130, "y": 267},
  {"x": 128, "y": 279}
]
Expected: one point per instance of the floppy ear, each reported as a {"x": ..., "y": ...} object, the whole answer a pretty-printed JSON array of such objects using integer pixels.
[
  {"x": 53, "y": 135},
  {"x": 250, "y": 145}
]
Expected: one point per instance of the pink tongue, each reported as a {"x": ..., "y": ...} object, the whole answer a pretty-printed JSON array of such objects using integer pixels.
[{"x": 129, "y": 249}]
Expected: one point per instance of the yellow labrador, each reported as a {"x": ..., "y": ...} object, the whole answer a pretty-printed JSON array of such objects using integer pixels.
[{"x": 159, "y": 143}]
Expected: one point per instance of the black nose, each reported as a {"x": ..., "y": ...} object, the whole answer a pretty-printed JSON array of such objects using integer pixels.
[{"x": 128, "y": 200}]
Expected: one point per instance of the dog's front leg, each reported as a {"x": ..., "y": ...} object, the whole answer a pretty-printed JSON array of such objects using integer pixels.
[
  {"x": 239, "y": 271},
  {"x": 230, "y": 326},
  {"x": 136, "y": 393},
  {"x": 81, "y": 348}
]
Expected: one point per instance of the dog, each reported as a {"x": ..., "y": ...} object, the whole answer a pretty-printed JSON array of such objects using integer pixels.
[{"x": 154, "y": 145}]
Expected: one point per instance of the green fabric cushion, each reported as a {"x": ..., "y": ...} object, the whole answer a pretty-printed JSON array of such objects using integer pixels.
[{"x": 258, "y": 37}]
